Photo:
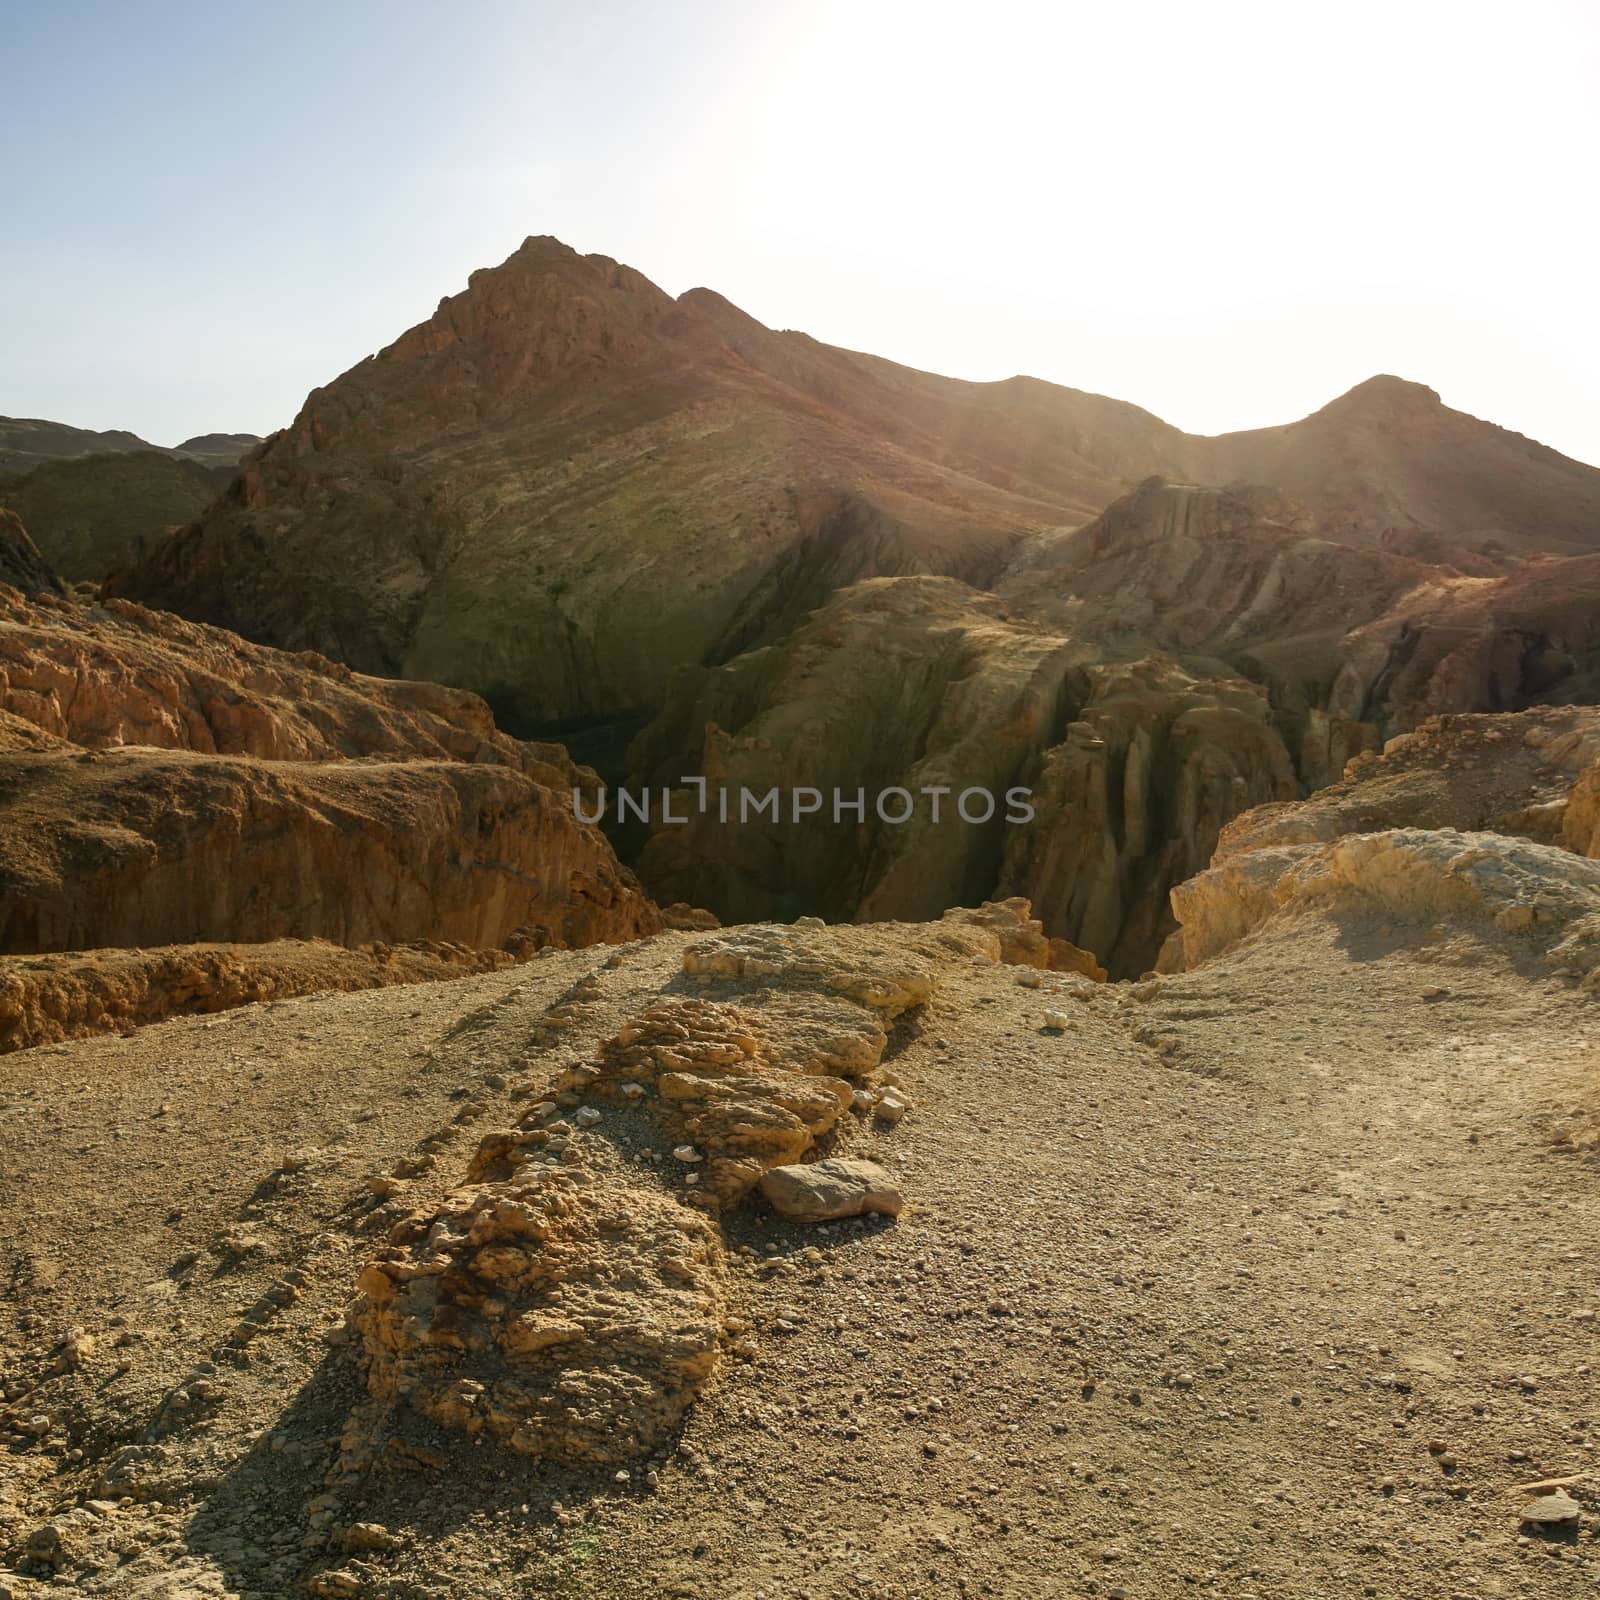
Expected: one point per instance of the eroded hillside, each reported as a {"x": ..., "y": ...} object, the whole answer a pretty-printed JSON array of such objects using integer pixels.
[
  {"x": 166, "y": 784},
  {"x": 1267, "y": 1276}
]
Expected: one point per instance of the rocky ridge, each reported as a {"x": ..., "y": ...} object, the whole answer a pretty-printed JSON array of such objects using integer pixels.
[{"x": 163, "y": 783}]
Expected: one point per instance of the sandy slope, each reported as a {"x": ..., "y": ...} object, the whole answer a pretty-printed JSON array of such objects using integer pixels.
[{"x": 1181, "y": 1297}]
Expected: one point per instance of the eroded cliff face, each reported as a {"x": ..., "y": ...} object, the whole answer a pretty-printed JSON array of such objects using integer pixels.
[
  {"x": 1190, "y": 654},
  {"x": 143, "y": 847},
  {"x": 21, "y": 565},
  {"x": 924, "y": 685},
  {"x": 163, "y": 783},
  {"x": 114, "y": 674},
  {"x": 1485, "y": 813}
]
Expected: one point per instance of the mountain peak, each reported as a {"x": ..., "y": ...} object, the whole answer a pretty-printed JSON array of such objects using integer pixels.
[{"x": 1385, "y": 395}]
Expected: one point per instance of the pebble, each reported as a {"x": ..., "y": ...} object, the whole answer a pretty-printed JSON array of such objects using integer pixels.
[
  {"x": 586, "y": 1117},
  {"x": 686, "y": 1152}
]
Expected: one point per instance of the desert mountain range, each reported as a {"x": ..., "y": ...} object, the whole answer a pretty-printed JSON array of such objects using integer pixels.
[
  {"x": 690, "y": 546},
  {"x": 1182, "y": 1191}
]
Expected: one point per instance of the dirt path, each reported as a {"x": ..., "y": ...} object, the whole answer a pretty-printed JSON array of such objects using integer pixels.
[{"x": 1267, "y": 1280}]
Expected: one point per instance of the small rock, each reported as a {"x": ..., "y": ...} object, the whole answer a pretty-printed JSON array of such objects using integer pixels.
[
  {"x": 334, "y": 1584},
  {"x": 686, "y": 1152},
  {"x": 892, "y": 1105},
  {"x": 1056, "y": 1021},
  {"x": 1551, "y": 1510},
  {"x": 368, "y": 1536},
  {"x": 825, "y": 1190},
  {"x": 586, "y": 1117}
]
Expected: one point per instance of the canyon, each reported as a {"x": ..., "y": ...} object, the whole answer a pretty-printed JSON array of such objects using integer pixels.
[
  {"x": 420, "y": 1192},
  {"x": 686, "y": 545}
]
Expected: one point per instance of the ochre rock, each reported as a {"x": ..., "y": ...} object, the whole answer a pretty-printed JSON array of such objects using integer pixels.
[
  {"x": 165, "y": 783},
  {"x": 47, "y": 998},
  {"x": 571, "y": 1319},
  {"x": 149, "y": 847}
]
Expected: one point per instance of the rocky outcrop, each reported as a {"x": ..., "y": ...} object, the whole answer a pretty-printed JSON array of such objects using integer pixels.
[
  {"x": 163, "y": 783},
  {"x": 45, "y": 999},
  {"x": 571, "y": 1322},
  {"x": 923, "y": 686},
  {"x": 143, "y": 847},
  {"x": 1133, "y": 800},
  {"x": 1529, "y": 637},
  {"x": 110, "y": 675},
  {"x": 915, "y": 683},
  {"x": 1540, "y": 895},
  {"x": 21, "y": 566},
  {"x": 1435, "y": 825},
  {"x": 568, "y": 1299},
  {"x": 1517, "y": 774},
  {"x": 1023, "y": 941}
]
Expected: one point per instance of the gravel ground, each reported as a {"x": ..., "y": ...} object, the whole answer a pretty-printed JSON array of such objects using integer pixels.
[{"x": 1276, "y": 1278}]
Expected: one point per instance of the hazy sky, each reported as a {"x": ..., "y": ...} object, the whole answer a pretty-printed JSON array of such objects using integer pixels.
[{"x": 1228, "y": 212}]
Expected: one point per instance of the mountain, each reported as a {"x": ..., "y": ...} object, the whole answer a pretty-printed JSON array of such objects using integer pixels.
[
  {"x": 217, "y": 449},
  {"x": 565, "y": 483},
  {"x": 95, "y": 502},
  {"x": 26, "y": 441},
  {"x": 619, "y": 515}
]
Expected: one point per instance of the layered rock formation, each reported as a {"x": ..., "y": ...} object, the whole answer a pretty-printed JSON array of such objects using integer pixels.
[
  {"x": 925, "y": 686},
  {"x": 164, "y": 783},
  {"x": 569, "y": 1298},
  {"x": 1466, "y": 816},
  {"x": 1187, "y": 655},
  {"x": 45, "y": 999},
  {"x": 790, "y": 566},
  {"x": 143, "y": 847}
]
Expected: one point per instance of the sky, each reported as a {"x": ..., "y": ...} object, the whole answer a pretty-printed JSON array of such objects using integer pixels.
[{"x": 1228, "y": 213}]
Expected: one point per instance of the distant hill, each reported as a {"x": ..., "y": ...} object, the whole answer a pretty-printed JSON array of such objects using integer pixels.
[
  {"x": 218, "y": 449},
  {"x": 27, "y": 441},
  {"x": 91, "y": 515}
]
